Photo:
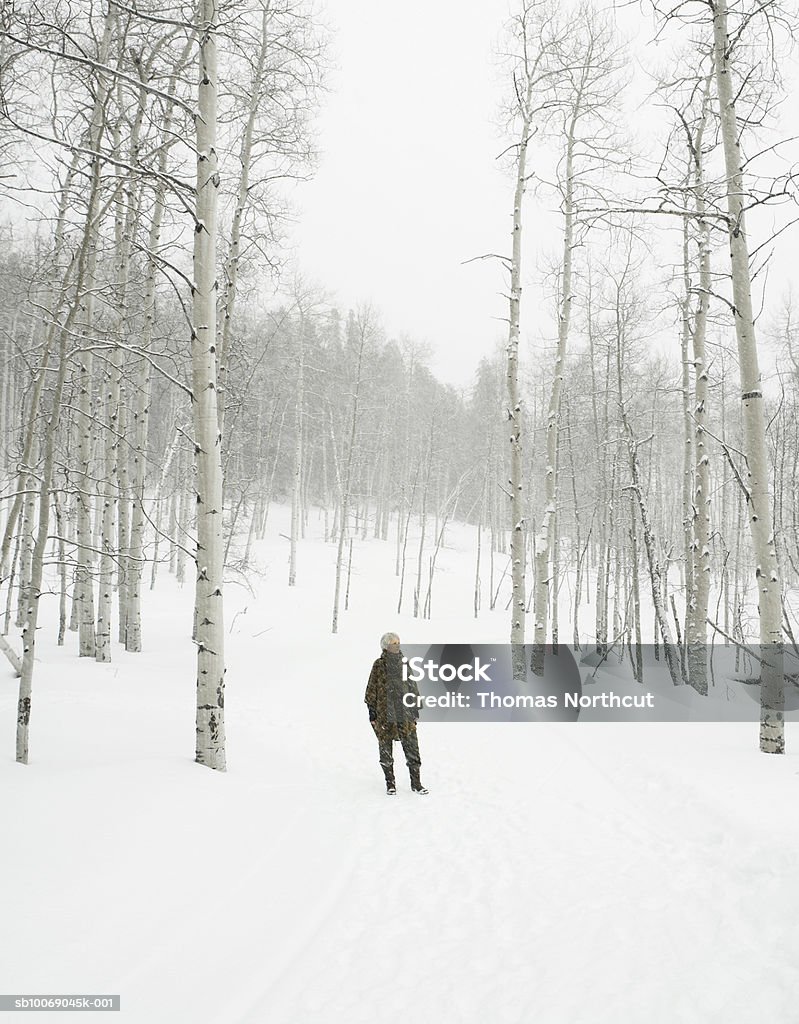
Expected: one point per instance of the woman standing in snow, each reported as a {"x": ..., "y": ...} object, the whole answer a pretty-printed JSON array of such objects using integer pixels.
[{"x": 391, "y": 719}]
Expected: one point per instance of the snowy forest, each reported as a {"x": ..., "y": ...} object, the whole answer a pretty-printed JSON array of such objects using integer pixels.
[
  {"x": 333, "y": 331},
  {"x": 625, "y": 459}
]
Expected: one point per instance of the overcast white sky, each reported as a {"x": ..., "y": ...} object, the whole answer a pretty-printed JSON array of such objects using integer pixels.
[{"x": 408, "y": 186}]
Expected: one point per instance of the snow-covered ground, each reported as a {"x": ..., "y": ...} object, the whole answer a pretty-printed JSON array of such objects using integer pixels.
[{"x": 557, "y": 873}]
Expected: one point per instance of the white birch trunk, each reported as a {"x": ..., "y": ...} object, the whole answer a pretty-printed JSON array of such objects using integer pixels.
[
  {"x": 182, "y": 532},
  {"x": 26, "y": 543},
  {"x": 127, "y": 219},
  {"x": 417, "y": 589},
  {"x": 30, "y": 425},
  {"x": 209, "y": 613},
  {"x": 696, "y": 626},
  {"x": 84, "y": 586},
  {"x": 772, "y": 732},
  {"x": 517, "y": 531},
  {"x": 543, "y": 542},
  {"x": 141, "y": 406},
  {"x": 296, "y": 490},
  {"x": 347, "y": 481},
  {"x": 688, "y": 430},
  {"x": 24, "y": 700},
  {"x": 108, "y": 490},
  {"x": 636, "y": 592}
]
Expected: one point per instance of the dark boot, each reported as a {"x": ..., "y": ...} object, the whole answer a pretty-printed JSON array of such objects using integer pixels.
[
  {"x": 391, "y": 786},
  {"x": 416, "y": 782}
]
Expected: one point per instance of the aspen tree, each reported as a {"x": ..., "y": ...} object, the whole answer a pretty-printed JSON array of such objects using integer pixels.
[
  {"x": 56, "y": 295},
  {"x": 110, "y": 488},
  {"x": 125, "y": 228},
  {"x": 584, "y": 83},
  {"x": 141, "y": 404},
  {"x": 772, "y": 731},
  {"x": 688, "y": 467},
  {"x": 209, "y": 612},
  {"x": 423, "y": 514},
  {"x": 298, "y": 454},
  {"x": 84, "y": 586},
  {"x": 363, "y": 334},
  {"x": 84, "y": 261},
  {"x": 533, "y": 31},
  {"x": 37, "y": 562},
  {"x": 696, "y": 620}
]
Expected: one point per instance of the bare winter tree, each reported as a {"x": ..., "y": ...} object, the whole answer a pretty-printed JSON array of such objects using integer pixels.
[
  {"x": 364, "y": 334},
  {"x": 535, "y": 35},
  {"x": 209, "y": 612},
  {"x": 739, "y": 39},
  {"x": 761, "y": 524},
  {"x": 585, "y": 83}
]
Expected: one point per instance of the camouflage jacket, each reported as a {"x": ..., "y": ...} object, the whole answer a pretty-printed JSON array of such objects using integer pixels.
[{"x": 384, "y": 693}]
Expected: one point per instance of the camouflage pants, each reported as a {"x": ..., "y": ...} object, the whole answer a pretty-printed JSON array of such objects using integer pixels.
[{"x": 408, "y": 739}]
